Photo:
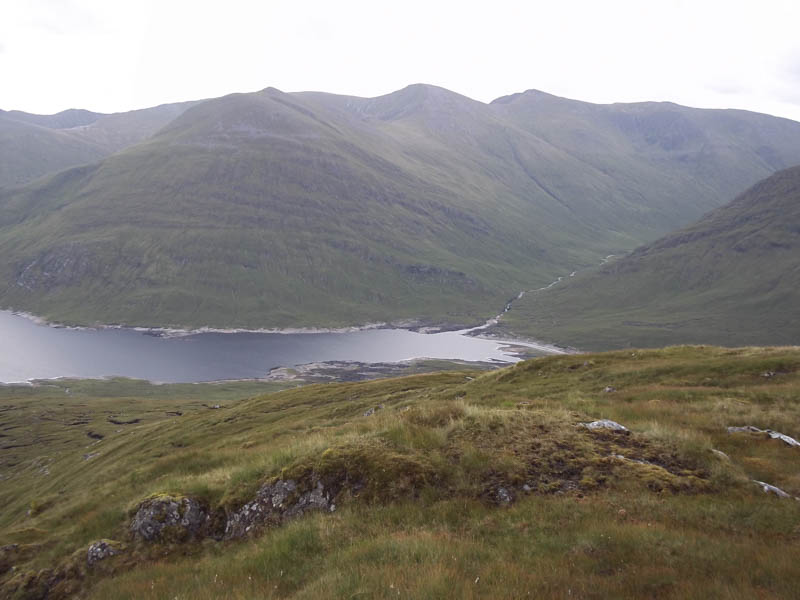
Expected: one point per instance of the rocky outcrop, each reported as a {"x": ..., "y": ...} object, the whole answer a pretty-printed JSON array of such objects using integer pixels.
[
  {"x": 167, "y": 518},
  {"x": 170, "y": 519},
  {"x": 277, "y": 502}
]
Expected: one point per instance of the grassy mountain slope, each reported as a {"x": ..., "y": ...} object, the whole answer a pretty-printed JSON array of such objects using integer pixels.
[
  {"x": 419, "y": 508},
  {"x": 731, "y": 278},
  {"x": 35, "y": 145},
  {"x": 273, "y": 209}
]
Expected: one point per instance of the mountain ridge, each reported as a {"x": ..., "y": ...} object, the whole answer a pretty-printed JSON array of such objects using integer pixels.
[{"x": 274, "y": 209}]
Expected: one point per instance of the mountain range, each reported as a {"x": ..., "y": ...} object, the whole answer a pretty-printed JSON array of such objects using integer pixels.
[{"x": 271, "y": 209}]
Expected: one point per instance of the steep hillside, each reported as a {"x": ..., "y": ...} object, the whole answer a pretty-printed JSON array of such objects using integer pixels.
[
  {"x": 273, "y": 209},
  {"x": 468, "y": 485},
  {"x": 731, "y": 278}
]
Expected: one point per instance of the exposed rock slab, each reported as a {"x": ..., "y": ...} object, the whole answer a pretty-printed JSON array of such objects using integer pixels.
[
  {"x": 772, "y": 489},
  {"x": 773, "y": 434}
]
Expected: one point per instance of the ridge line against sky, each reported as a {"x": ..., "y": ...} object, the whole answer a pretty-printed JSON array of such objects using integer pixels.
[
  {"x": 113, "y": 57},
  {"x": 512, "y": 93}
]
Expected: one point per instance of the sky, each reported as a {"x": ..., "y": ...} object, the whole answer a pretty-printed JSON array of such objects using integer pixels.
[{"x": 115, "y": 55}]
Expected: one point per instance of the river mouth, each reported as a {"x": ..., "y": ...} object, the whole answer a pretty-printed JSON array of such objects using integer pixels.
[{"x": 30, "y": 350}]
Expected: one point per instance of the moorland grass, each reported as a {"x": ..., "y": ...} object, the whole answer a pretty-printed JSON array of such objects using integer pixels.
[{"x": 425, "y": 520}]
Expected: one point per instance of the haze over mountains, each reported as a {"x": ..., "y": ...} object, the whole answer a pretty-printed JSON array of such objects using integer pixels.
[
  {"x": 277, "y": 210},
  {"x": 732, "y": 278}
]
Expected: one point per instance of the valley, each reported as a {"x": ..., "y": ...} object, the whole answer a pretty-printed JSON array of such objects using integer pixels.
[
  {"x": 248, "y": 349},
  {"x": 731, "y": 279}
]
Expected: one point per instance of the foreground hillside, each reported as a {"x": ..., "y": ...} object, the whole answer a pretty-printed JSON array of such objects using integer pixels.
[
  {"x": 283, "y": 210},
  {"x": 731, "y": 278},
  {"x": 469, "y": 484}
]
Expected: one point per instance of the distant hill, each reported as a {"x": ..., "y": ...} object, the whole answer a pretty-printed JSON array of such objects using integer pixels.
[
  {"x": 28, "y": 150},
  {"x": 731, "y": 278},
  {"x": 118, "y": 131},
  {"x": 272, "y": 209},
  {"x": 66, "y": 119},
  {"x": 35, "y": 145}
]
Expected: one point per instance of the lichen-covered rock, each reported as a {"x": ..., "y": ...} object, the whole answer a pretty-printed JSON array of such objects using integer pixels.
[
  {"x": 170, "y": 519},
  {"x": 276, "y": 502},
  {"x": 102, "y": 549}
]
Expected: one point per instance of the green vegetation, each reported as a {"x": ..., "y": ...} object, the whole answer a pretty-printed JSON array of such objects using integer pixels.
[
  {"x": 309, "y": 209},
  {"x": 730, "y": 279},
  {"x": 420, "y": 511}
]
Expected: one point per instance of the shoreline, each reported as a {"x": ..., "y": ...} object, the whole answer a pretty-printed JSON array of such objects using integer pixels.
[
  {"x": 409, "y": 325},
  {"x": 305, "y": 372},
  {"x": 415, "y": 325}
]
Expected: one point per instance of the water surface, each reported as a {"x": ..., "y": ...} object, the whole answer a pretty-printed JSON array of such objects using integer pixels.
[{"x": 32, "y": 351}]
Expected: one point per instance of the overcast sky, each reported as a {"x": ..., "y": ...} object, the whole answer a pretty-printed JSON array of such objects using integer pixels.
[{"x": 114, "y": 55}]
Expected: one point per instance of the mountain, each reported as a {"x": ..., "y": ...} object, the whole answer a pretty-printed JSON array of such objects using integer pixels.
[
  {"x": 35, "y": 145},
  {"x": 277, "y": 210},
  {"x": 464, "y": 484},
  {"x": 732, "y": 278}
]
